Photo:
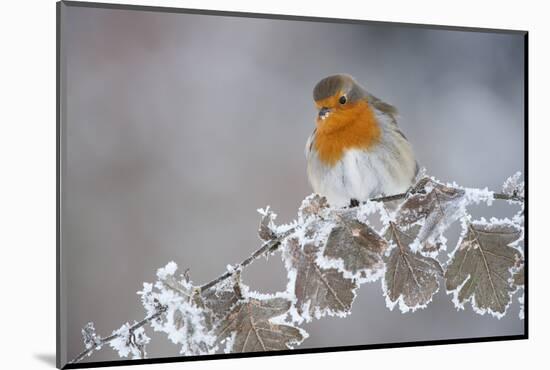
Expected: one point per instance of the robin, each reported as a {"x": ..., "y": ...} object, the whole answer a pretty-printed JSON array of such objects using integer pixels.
[{"x": 356, "y": 151}]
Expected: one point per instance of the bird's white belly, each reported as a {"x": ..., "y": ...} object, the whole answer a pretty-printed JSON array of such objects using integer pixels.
[{"x": 358, "y": 175}]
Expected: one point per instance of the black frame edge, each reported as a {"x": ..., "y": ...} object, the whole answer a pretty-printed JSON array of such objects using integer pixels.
[
  {"x": 222, "y": 356},
  {"x": 526, "y": 177}
]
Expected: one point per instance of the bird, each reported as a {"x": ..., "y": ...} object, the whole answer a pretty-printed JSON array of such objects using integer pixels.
[{"x": 356, "y": 151}]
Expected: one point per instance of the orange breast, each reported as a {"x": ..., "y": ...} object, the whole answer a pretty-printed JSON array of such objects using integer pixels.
[{"x": 350, "y": 127}]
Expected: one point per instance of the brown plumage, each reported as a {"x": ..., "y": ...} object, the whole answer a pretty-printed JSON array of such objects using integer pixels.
[{"x": 356, "y": 150}]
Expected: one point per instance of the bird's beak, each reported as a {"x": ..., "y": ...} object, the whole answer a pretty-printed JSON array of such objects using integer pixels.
[{"x": 323, "y": 113}]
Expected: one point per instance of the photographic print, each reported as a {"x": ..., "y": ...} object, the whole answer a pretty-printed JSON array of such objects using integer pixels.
[{"x": 234, "y": 184}]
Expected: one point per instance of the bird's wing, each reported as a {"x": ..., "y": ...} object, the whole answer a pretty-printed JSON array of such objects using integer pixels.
[
  {"x": 383, "y": 107},
  {"x": 309, "y": 143},
  {"x": 391, "y": 112},
  {"x": 388, "y": 110}
]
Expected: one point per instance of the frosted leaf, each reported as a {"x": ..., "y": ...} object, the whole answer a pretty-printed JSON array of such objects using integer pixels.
[
  {"x": 480, "y": 270},
  {"x": 220, "y": 298},
  {"x": 369, "y": 207},
  {"x": 435, "y": 205},
  {"x": 185, "y": 320},
  {"x": 188, "y": 325},
  {"x": 519, "y": 277},
  {"x": 428, "y": 248},
  {"x": 313, "y": 205},
  {"x": 318, "y": 291},
  {"x": 358, "y": 246},
  {"x": 90, "y": 337},
  {"x": 266, "y": 230},
  {"x": 519, "y": 281},
  {"x": 250, "y": 326},
  {"x": 130, "y": 342},
  {"x": 411, "y": 278},
  {"x": 514, "y": 186}
]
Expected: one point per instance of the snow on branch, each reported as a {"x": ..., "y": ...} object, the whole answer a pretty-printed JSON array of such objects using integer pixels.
[{"x": 328, "y": 253}]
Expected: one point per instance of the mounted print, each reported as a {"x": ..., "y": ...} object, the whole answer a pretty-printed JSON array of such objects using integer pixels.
[{"x": 235, "y": 184}]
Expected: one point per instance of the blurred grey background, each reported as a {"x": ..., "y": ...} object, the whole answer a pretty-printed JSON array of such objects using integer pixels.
[{"x": 178, "y": 127}]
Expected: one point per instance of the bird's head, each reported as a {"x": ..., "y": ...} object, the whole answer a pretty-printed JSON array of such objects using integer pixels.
[{"x": 339, "y": 100}]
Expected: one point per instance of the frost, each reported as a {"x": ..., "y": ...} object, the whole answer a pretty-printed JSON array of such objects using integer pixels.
[
  {"x": 514, "y": 186},
  {"x": 229, "y": 342},
  {"x": 521, "y": 307},
  {"x": 230, "y": 268},
  {"x": 369, "y": 207},
  {"x": 267, "y": 230},
  {"x": 519, "y": 281},
  {"x": 167, "y": 270},
  {"x": 314, "y": 206},
  {"x": 130, "y": 341},
  {"x": 184, "y": 321},
  {"x": 90, "y": 337},
  {"x": 477, "y": 196}
]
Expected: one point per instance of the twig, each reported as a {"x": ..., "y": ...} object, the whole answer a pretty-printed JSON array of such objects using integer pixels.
[
  {"x": 389, "y": 198},
  {"x": 106, "y": 340},
  {"x": 500, "y": 196},
  {"x": 513, "y": 197},
  {"x": 268, "y": 247}
]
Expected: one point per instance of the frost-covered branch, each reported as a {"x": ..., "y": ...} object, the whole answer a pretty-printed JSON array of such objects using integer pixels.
[
  {"x": 274, "y": 244},
  {"x": 266, "y": 249},
  {"x": 128, "y": 334},
  {"x": 328, "y": 253}
]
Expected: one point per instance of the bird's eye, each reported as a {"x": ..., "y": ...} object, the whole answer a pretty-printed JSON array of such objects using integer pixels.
[{"x": 343, "y": 99}]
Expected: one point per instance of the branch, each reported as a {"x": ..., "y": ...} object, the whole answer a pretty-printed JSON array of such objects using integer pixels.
[
  {"x": 513, "y": 197},
  {"x": 266, "y": 249},
  {"x": 106, "y": 340},
  {"x": 274, "y": 244},
  {"x": 500, "y": 196}
]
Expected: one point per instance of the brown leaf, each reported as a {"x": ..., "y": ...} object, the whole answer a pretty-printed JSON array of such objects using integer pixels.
[
  {"x": 357, "y": 245},
  {"x": 318, "y": 290},
  {"x": 480, "y": 267},
  {"x": 428, "y": 248},
  {"x": 254, "y": 330},
  {"x": 220, "y": 299},
  {"x": 519, "y": 277},
  {"x": 409, "y": 275},
  {"x": 313, "y": 205},
  {"x": 265, "y": 230},
  {"x": 438, "y": 206}
]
